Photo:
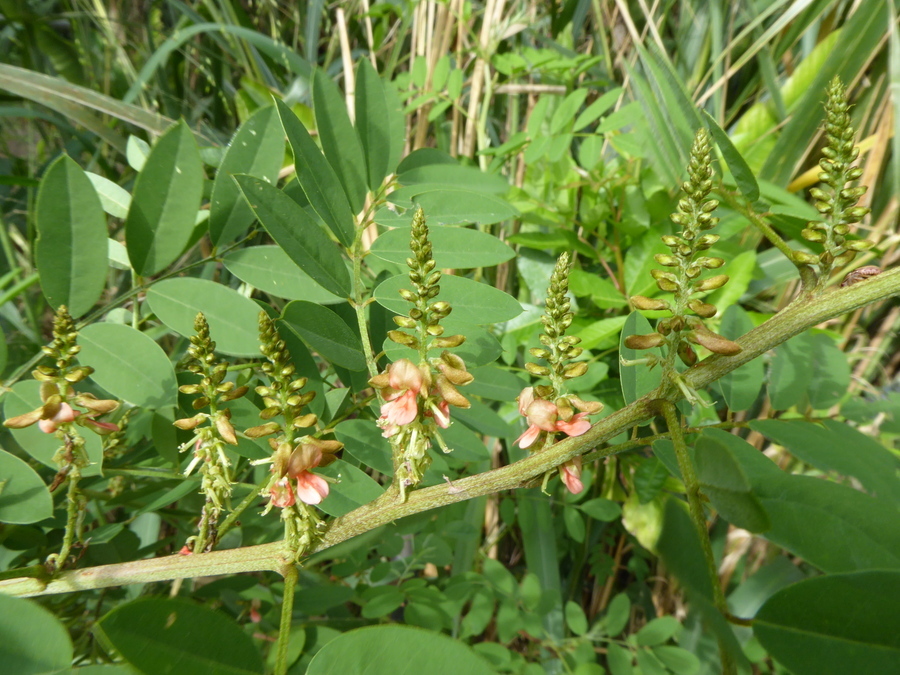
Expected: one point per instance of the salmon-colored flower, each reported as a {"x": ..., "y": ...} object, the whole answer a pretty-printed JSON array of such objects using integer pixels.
[
  {"x": 297, "y": 481},
  {"x": 570, "y": 473},
  {"x": 400, "y": 386},
  {"x": 543, "y": 415},
  {"x": 63, "y": 415}
]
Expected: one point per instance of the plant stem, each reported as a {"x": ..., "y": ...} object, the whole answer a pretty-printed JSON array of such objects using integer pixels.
[
  {"x": 791, "y": 321},
  {"x": 287, "y": 612},
  {"x": 231, "y": 520},
  {"x": 356, "y": 253},
  {"x": 73, "y": 507},
  {"x": 695, "y": 506}
]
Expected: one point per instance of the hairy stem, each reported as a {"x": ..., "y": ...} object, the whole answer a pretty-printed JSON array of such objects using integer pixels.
[
  {"x": 695, "y": 507},
  {"x": 284, "y": 628},
  {"x": 804, "y": 313}
]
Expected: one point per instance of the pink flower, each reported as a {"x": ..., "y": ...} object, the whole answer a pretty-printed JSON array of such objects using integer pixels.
[
  {"x": 281, "y": 494},
  {"x": 64, "y": 415},
  {"x": 311, "y": 489},
  {"x": 543, "y": 415},
  {"x": 404, "y": 383},
  {"x": 297, "y": 481},
  {"x": 570, "y": 473},
  {"x": 441, "y": 414}
]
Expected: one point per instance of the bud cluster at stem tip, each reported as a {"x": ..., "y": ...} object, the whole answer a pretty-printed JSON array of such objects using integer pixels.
[
  {"x": 684, "y": 268},
  {"x": 418, "y": 394},
  {"x": 549, "y": 409},
  {"x": 837, "y": 201}
]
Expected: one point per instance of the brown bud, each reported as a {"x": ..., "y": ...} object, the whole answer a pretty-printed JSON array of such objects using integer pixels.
[
  {"x": 95, "y": 405},
  {"x": 189, "y": 423},
  {"x": 574, "y": 370},
  {"x": 642, "y": 302},
  {"x": 225, "y": 429},
  {"x": 262, "y": 430},
  {"x": 450, "y": 394},
  {"x": 235, "y": 393},
  {"x": 703, "y": 309},
  {"x": 687, "y": 354},
  {"x": 190, "y": 389},
  {"x": 448, "y": 342},
  {"x": 404, "y": 322},
  {"x": 712, "y": 283},
  {"x": 589, "y": 407},
  {"x": 713, "y": 341},
  {"x": 535, "y": 369},
  {"x": 304, "y": 421},
  {"x": 402, "y": 338},
  {"x": 25, "y": 420},
  {"x": 648, "y": 341}
]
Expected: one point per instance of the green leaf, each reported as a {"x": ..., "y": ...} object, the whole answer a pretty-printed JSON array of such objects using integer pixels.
[
  {"x": 483, "y": 419},
  {"x": 740, "y": 388},
  {"x": 827, "y": 446},
  {"x": 601, "y": 509},
  {"x": 326, "y": 333},
  {"x": 597, "y": 108},
  {"x": 354, "y": 488},
  {"x": 791, "y": 371},
  {"x": 128, "y": 364},
  {"x": 396, "y": 649},
  {"x": 830, "y": 373},
  {"x": 70, "y": 251},
  {"x": 832, "y": 527},
  {"x": 617, "y": 614},
  {"x": 658, "y": 631},
  {"x": 723, "y": 481},
  {"x": 637, "y": 380},
  {"x": 678, "y": 660},
  {"x": 269, "y": 269},
  {"x": 452, "y": 247},
  {"x": 339, "y": 139},
  {"x": 377, "y": 115},
  {"x": 166, "y": 636},
  {"x": 453, "y": 206},
  {"x": 649, "y": 479},
  {"x": 232, "y": 317},
  {"x": 32, "y": 640},
  {"x": 575, "y": 618},
  {"x": 841, "y": 624},
  {"x": 618, "y": 659},
  {"x": 23, "y": 496},
  {"x": 24, "y": 397},
  {"x": 363, "y": 440},
  {"x": 495, "y": 383},
  {"x": 439, "y": 169},
  {"x": 295, "y": 231},
  {"x": 257, "y": 149},
  {"x": 472, "y": 302},
  {"x": 317, "y": 179},
  {"x": 164, "y": 202},
  {"x": 601, "y": 290},
  {"x": 114, "y": 199},
  {"x": 564, "y": 115},
  {"x": 743, "y": 174},
  {"x": 602, "y": 333}
]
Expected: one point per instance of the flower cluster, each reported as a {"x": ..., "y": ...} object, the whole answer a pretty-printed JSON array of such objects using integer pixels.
[
  {"x": 208, "y": 443},
  {"x": 417, "y": 396},
  {"x": 836, "y": 203},
  {"x": 58, "y": 396},
  {"x": 292, "y": 485},
  {"x": 548, "y": 409},
  {"x": 687, "y": 263}
]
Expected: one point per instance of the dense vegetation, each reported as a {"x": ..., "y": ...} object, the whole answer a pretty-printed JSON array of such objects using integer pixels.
[{"x": 449, "y": 337}]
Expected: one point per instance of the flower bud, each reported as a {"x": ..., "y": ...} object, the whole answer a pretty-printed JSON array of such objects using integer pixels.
[
  {"x": 713, "y": 342},
  {"x": 687, "y": 354},
  {"x": 574, "y": 370},
  {"x": 225, "y": 429},
  {"x": 262, "y": 430},
  {"x": 450, "y": 394},
  {"x": 642, "y": 302},
  {"x": 448, "y": 342},
  {"x": 648, "y": 341},
  {"x": 712, "y": 283},
  {"x": 435, "y": 329},
  {"x": 666, "y": 260},
  {"x": 404, "y": 339},
  {"x": 535, "y": 369},
  {"x": 404, "y": 322},
  {"x": 304, "y": 421},
  {"x": 805, "y": 258},
  {"x": 702, "y": 308},
  {"x": 189, "y": 423}
]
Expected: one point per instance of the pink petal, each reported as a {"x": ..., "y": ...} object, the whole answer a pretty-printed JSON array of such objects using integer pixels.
[
  {"x": 441, "y": 414},
  {"x": 404, "y": 374},
  {"x": 401, "y": 410},
  {"x": 281, "y": 494},
  {"x": 543, "y": 414},
  {"x": 47, "y": 426},
  {"x": 64, "y": 414},
  {"x": 529, "y": 437},
  {"x": 104, "y": 425},
  {"x": 570, "y": 473},
  {"x": 311, "y": 489},
  {"x": 575, "y": 426},
  {"x": 525, "y": 399}
]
